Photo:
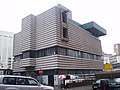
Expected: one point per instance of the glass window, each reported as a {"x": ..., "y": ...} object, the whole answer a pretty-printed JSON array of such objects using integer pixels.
[
  {"x": 52, "y": 51},
  {"x": 117, "y": 80},
  {"x": 32, "y": 82},
  {"x": 41, "y": 53},
  {"x": 91, "y": 56},
  {"x": 47, "y": 52},
  {"x": 21, "y": 81},
  {"x": 57, "y": 50},
  {"x": 98, "y": 57},
  {"x": 32, "y": 54},
  {"x": 9, "y": 80},
  {"x": 70, "y": 52},
  {"x": 65, "y": 32},
  {"x": 84, "y": 55},
  {"x": 98, "y": 81},
  {"x": 64, "y": 17},
  {"x": 79, "y": 54},
  {"x": 76, "y": 53},
  {"x": 88, "y": 56},
  {"x": 94, "y": 57},
  {"x": 86, "y": 72},
  {"x": 20, "y": 56},
  {"x": 62, "y": 51},
  {"x": 26, "y": 54}
]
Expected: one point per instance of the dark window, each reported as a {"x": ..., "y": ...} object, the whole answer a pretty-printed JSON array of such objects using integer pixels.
[
  {"x": 57, "y": 50},
  {"x": 35, "y": 54},
  {"x": 9, "y": 58},
  {"x": 82, "y": 55},
  {"x": 70, "y": 52},
  {"x": 62, "y": 51},
  {"x": 65, "y": 32},
  {"x": 79, "y": 54},
  {"x": 21, "y": 81},
  {"x": 9, "y": 80},
  {"x": 64, "y": 17},
  {"x": 17, "y": 58},
  {"x": 32, "y": 54},
  {"x": 88, "y": 56},
  {"x": 94, "y": 57},
  {"x": 26, "y": 54},
  {"x": 98, "y": 57},
  {"x": 52, "y": 51},
  {"x": 91, "y": 56},
  {"x": 21, "y": 56},
  {"x": 26, "y": 81}
]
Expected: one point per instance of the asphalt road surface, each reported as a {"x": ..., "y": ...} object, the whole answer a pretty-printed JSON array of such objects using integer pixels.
[{"x": 88, "y": 87}]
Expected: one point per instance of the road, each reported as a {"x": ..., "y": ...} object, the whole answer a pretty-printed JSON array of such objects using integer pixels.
[{"x": 88, "y": 87}]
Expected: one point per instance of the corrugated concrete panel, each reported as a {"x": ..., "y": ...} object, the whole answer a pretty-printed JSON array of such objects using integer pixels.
[
  {"x": 17, "y": 44},
  {"x": 46, "y": 29},
  {"x": 28, "y": 33},
  {"x": 67, "y": 62},
  {"x": 28, "y": 62}
]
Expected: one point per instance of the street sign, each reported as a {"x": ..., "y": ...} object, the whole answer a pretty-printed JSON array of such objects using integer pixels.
[
  {"x": 108, "y": 67},
  {"x": 40, "y": 72}
]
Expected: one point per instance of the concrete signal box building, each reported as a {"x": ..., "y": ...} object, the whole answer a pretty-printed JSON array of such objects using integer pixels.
[{"x": 56, "y": 44}]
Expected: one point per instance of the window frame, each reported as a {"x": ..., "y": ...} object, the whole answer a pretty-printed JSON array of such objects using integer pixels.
[
  {"x": 65, "y": 32},
  {"x": 64, "y": 17}
]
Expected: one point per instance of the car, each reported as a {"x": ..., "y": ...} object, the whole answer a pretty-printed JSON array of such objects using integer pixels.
[
  {"x": 13, "y": 82},
  {"x": 100, "y": 84},
  {"x": 115, "y": 84}
]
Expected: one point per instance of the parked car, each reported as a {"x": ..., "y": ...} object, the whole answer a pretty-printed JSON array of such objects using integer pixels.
[
  {"x": 78, "y": 79},
  {"x": 100, "y": 84},
  {"x": 115, "y": 84},
  {"x": 12, "y": 82}
]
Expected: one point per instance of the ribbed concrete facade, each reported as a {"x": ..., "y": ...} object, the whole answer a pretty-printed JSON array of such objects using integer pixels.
[{"x": 45, "y": 31}]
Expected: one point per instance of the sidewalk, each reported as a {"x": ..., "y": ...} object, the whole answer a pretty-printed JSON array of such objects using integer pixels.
[{"x": 88, "y": 87}]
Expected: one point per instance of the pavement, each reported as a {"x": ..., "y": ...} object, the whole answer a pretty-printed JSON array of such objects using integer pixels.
[{"x": 88, "y": 87}]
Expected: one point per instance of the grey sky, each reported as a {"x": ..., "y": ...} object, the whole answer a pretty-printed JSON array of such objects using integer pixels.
[{"x": 103, "y": 12}]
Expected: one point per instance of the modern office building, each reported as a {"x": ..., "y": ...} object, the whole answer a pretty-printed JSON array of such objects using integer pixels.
[
  {"x": 6, "y": 50},
  {"x": 106, "y": 58},
  {"x": 115, "y": 58},
  {"x": 56, "y": 44}
]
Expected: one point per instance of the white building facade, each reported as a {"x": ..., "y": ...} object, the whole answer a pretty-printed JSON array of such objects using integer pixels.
[
  {"x": 6, "y": 50},
  {"x": 106, "y": 58}
]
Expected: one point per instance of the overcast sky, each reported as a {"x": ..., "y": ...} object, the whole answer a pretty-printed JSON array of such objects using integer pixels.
[{"x": 106, "y": 13}]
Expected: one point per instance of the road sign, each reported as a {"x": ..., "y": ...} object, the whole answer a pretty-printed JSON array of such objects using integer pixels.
[
  {"x": 40, "y": 72},
  {"x": 108, "y": 67}
]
